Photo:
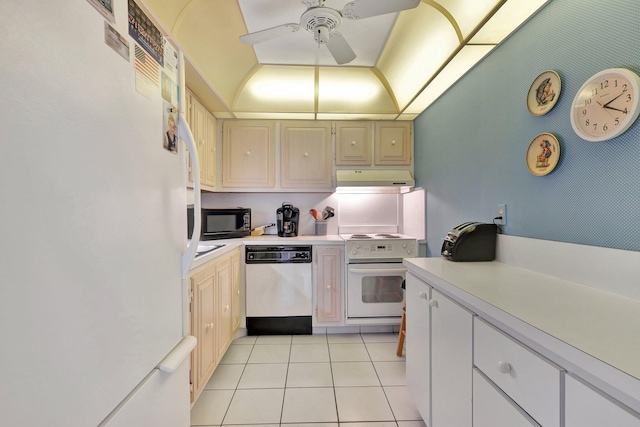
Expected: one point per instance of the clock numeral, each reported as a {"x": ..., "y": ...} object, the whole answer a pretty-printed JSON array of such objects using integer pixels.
[
  {"x": 604, "y": 84},
  {"x": 617, "y": 121},
  {"x": 628, "y": 98},
  {"x": 584, "y": 112},
  {"x": 594, "y": 91},
  {"x": 595, "y": 126},
  {"x": 587, "y": 102},
  {"x": 587, "y": 122},
  {"x": 605, "y": 127},
  {"x": 624, "y": 88}
]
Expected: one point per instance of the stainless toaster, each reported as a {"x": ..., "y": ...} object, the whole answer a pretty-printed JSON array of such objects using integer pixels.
[{"x": 470, "y": 241}]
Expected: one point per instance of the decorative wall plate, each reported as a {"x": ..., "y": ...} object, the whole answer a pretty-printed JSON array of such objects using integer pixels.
[
  {"x": 543, "y": 93},
  {"x": 543, "y": 154}
]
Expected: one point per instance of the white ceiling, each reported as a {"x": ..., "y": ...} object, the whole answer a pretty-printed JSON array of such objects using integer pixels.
[{"x": 404, "y": 62}]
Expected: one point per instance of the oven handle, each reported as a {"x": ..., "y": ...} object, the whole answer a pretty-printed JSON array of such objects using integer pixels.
[{"x": 378, "y": 271}]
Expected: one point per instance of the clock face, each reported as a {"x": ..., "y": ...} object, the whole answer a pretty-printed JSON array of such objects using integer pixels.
[{"x": 606, "y": 105}]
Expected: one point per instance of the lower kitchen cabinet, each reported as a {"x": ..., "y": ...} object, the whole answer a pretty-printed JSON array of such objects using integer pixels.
[
  {"x": 236, "y": 306},
  {"x": 451, "y": 362},
  {"x": 492, "y": 408},
  {"x": 212, "y": 322},
  {"x": 587, "y": 407},
  {"x": 418, "y": 294},
  {"x": 328, "y": 272}
]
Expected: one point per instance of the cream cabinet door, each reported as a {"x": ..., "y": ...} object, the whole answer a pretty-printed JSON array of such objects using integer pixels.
[
  {"x": 393, "y": 143},
  {"x": 353, "y": 143},
  {"x": 248, "y": 154},
  {"x": 224, "y": 283},
  {"x": 306, "y": 155},
  {"x": 203, "y": 128},
  {"x": 236, "y": 314},
  {"x": 203, "y": 287},
  {"x": 328, "y": 284}
]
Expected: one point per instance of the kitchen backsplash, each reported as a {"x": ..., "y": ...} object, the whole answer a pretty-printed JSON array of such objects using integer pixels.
[{"x": 350, "y": 209}]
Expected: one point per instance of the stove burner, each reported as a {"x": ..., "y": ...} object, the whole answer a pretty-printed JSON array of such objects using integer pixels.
[
  {"x": 360, "y": 236},
  {"x": 388, "y": 236}
]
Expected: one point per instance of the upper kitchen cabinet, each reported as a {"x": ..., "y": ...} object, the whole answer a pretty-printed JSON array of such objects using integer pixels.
[
  {"x": 353, "y": 143},
  {"x": 249, "y": 154},
  {"x": 393, "y": 143},
  {"x": 203, "y": 127},
  {"x": 306, "y": 154}
]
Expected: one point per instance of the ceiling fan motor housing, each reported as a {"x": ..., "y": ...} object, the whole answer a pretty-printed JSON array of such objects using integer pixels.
[{"x": 321, "y": 21}]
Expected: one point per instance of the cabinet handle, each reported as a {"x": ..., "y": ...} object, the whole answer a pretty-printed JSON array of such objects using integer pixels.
[
  {"x": 248, "y": 153},
  {"x": 238, "y": 292},
  {"x": 202, "y": 142},
  {"x": 504, "y": 367},
  {"x": 306, "y": 154},
  {"x": 328, "y": 286},
  {"x": 433, "y": 303},
  {"x": 393, "y": 142},
  {"x": 422, "y": 295},
  {"x": 353, "y": 143},
  {"x": 226, "y": 307}
]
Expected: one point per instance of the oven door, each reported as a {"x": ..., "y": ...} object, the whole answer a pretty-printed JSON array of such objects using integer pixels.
[{"x": 375, "y": 290}]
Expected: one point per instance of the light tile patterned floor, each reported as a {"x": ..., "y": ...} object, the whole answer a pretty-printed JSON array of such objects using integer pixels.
[{"x": 328, "y": 380}]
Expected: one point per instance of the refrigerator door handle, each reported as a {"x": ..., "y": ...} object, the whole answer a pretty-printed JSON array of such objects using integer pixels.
[
  {"x": 178, "y": 355},
  {"x": 187, "y": 137}
]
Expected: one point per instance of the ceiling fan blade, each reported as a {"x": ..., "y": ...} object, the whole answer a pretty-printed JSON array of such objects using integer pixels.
[
  {"x": 311, "y": 3},
  {"x": 269, "y": 33},
  {"x": 340, "y": 49},
  {"x": 360, "y": 9}
]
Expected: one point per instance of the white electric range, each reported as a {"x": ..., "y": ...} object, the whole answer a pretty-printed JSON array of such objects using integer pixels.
[{"x": 375, "y": 275}]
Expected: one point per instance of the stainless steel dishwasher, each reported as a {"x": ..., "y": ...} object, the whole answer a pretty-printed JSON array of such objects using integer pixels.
[{"x": 278, "y": 290}]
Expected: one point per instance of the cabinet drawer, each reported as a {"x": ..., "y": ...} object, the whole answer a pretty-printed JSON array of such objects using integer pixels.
[
  {"x": 491, "y": 408},
  {"x": 531, "y": 381}
]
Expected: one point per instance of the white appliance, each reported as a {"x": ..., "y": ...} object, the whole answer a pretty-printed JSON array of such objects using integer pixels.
[
  {"x": 374, "y": 276},
  {"x": 93, "y": 229},
  {"x": 278, "y": 289}
]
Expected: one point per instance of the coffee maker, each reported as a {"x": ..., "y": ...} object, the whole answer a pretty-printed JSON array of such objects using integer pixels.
[{"x": 288, "y": 217}]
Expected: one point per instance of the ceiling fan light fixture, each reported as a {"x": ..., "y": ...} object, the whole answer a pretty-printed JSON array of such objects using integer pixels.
[{"x": 321, "y": 34}]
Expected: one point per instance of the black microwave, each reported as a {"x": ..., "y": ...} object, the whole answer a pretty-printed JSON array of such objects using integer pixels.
[{"x": 228, "y": 223}]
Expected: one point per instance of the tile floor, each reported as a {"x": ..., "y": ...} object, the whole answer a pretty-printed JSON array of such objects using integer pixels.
[{"x": 330, "y": 379}]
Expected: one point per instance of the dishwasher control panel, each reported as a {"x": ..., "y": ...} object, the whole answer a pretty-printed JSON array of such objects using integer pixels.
[{"x": 277, "y": 254}]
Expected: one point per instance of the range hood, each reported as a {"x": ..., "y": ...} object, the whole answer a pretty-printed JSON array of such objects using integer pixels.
[{"x": 374, "y": 178}]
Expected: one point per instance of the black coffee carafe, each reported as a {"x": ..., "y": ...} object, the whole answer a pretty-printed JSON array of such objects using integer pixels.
[{"x": 288, "y": 217}]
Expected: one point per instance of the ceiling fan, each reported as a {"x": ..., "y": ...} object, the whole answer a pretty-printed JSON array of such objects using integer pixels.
[{"x": 323, "y": 22}]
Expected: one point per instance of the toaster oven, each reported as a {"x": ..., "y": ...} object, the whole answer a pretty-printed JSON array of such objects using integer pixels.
[{"x": 470, "y": 241}]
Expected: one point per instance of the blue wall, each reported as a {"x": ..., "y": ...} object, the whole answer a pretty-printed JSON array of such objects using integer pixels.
[{"x": 470, "y": 144}]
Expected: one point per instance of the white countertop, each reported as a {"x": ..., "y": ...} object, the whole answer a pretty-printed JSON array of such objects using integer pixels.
[
  {"x": 265, "y": 239},
  {"x": 604, "y": 325}
]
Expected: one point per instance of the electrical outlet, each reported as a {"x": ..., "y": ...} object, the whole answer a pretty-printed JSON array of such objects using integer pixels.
[{"x": 502, "y": 212}]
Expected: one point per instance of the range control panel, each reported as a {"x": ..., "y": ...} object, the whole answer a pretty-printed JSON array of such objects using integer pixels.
[{"x": 398, "y": 248}]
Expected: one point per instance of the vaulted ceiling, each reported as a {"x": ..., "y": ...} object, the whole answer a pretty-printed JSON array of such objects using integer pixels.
[{"x": 404, "y": 61}]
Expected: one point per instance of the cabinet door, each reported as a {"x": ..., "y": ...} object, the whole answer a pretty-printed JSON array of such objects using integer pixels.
[
  {"x": 203, "y": 325},
  {"x": 491, "y": 408},
  {"x": 209, "y": 160},
  {"x": 199, "y": 130},
  {"x": 306, "y": 155},
  {"x": 236, "y": 314},
  {"x": 587, "y": 407},
  {"x": 393, "y": 143},
  {"x": 417, "y": 294},
  {"x": 223, "y": 306},
  {"x": 328, "y": 282},
  {"x": 248, "y": 154},
  {"x": 353, "y": 143},
  {"x": 451, "y": 362}
]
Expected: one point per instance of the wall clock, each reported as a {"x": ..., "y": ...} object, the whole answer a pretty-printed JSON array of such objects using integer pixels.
[
  {"x": 606, "y": 105},
  {"x": 543, "y": 154},
  {"x": 543, "y": 93}
]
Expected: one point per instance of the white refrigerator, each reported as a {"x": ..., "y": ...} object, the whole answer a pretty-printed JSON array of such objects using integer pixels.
[{"x": 92, "y": 228}]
